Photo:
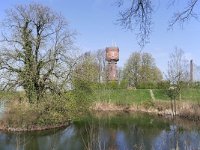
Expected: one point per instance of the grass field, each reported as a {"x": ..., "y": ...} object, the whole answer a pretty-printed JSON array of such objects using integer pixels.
[
  {"x": 187, "y": 94},
  {"x": 191, "y": 95},
  {"x": 124, "y": 96},
  {"x": 160, "y": 94}
]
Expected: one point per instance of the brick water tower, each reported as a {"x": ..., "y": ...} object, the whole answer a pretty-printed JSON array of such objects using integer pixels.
[{"x": 112, "y": 57}]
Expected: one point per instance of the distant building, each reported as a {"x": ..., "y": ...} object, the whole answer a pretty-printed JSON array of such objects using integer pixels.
[{"x": 112, "y": 56}]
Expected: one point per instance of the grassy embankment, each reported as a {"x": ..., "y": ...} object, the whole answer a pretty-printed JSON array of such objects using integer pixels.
[
  {"x": 122, "y": 96},
  {"x": 141, "y": 100},
  {"x": 139, "y": 96}
]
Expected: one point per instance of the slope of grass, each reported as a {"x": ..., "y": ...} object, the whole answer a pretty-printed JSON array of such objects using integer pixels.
[
  {"x": 125, "y": 96},
  {"x": 190, "y": 94},
  {"x": 160, "y": 94},
  {"x": 122, "y": 96},
  {"x": 187, "y": 94}
]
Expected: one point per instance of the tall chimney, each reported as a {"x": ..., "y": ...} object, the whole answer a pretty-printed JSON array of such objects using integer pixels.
[{"x": 191, "y": 70}]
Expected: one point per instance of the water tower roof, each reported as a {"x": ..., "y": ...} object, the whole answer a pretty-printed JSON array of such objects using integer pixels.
[{"x": 112, "y": 53}]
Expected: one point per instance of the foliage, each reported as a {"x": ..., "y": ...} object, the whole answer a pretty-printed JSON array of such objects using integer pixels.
[
  {"x": 35, "y": 55},
  {"x": 147, "y": 85},
  {"x": 173, "y": 92},
  {"x": 112, "y": 85},
  {"x": 53, "y": 110},
  {"x": 86, "y": 68},
  {"x": 141, "y": 69},
  {"x": 163, "y": 85},
  {"x": 26, "y": 116}
]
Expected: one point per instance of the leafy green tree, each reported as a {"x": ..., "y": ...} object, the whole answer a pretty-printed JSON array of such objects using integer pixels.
[
  {"x": 87, "y": 69},
  {"x": 35, "y": 45},
  {"x": 141, "y": 69},
  {"x": 132, "y": 69}
]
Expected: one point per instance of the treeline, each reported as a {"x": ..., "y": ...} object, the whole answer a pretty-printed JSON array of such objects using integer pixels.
[{"x": 139, "y": 72}]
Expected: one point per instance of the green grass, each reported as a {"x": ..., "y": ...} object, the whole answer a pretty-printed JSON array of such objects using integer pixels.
[
  {"x": 122, "y": 96},
  {"x": 187, "y": 94},
  {"x": 190, "y": 95},
  {"x": 126, "y": 97},
  {"x": 160, "y": 94}
]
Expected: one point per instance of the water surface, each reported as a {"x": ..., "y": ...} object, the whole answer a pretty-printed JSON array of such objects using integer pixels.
[{"x": 110, "y": 132}]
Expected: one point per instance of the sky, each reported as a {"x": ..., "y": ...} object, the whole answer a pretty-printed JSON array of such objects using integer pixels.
[{"x": 95, "y": 23}]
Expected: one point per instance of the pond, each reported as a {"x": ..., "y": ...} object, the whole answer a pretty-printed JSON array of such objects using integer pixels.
[{"x": 124, "y": 131}]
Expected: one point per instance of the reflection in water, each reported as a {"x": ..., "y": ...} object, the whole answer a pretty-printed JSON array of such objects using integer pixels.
[
  {"x": 124, "y": 132},
  {"x": 2, "y": 108},
  {"x": 174, "y": 139}
]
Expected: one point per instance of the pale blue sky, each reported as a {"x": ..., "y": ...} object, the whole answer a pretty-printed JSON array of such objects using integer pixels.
[{"x": 95, "y": 22}]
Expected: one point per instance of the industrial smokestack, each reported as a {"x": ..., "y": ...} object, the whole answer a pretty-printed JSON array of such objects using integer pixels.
[{"x": 191, "y": 70}]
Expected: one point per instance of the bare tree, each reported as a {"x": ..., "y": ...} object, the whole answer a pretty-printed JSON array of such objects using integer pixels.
[
  {"x": 101, "y": 60},
  {"x": 35, "y": 51},
  {"x": 137, "y": 14},
  {"x": 178, "y": 67},
  {"x": 184, "y": 15},
  {"x": 177, "y": 74}
]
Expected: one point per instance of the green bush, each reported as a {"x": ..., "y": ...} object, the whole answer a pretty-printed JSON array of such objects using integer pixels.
[
  {"x": 112, "y": 85},
  {"x": 147, "y": 85},
  {"x": 163, "y": 85},
  {"x": 53, "y": 109}
]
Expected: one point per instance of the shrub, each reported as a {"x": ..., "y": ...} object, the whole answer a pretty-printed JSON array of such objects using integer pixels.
[
  {"x": 147, "y": 85},
  {"x": 112, "y": 85},
  {"x": 163, "y": 85}
]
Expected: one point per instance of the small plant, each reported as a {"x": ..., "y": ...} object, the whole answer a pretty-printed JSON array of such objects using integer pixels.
[{"x": 172, "y": 92}]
